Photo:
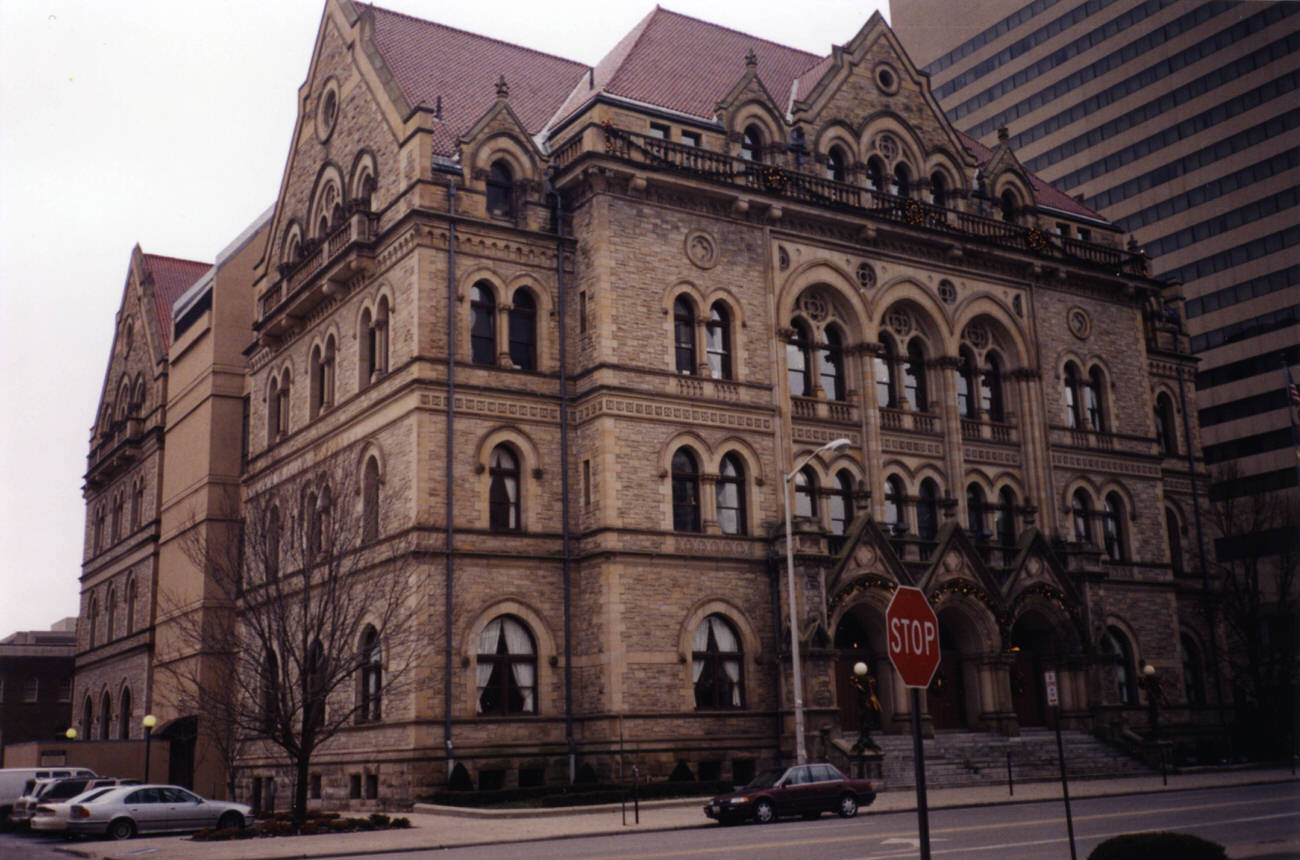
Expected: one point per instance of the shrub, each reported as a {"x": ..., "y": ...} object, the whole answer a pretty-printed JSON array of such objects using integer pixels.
[
  {"x": 276, "y": 827},
  {"x": 401, "y": 823},
  {"x": 1158, "y": 846},
  {"x": 378, "y": 819}
]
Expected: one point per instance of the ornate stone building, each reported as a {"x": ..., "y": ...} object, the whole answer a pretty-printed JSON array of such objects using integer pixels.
[{"x": 574, "y": 327}]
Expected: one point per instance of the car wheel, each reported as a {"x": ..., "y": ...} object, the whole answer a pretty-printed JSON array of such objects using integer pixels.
[
  {"x": 122, "y": 828},
  {"x": 764, "y": 812},
  {"x": 848, "y": 806},
  {"x": 231, "y": 820}
]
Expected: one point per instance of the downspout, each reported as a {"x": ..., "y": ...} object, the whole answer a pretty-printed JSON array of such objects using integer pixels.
[
  {"x": 448, "y": 476},
  {"x": 1200, "y": 547},
  {"x": 566, "y": 552}
]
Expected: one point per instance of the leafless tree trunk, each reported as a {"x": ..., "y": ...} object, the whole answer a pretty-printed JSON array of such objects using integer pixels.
[{"x": 311, "y": 614}]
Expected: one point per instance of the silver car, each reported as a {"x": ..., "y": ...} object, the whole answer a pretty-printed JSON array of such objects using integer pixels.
[
  {"x": 123, "y": 812},
  {"x": 51, "y": 815},
  {"x": 54, "y": 790}
]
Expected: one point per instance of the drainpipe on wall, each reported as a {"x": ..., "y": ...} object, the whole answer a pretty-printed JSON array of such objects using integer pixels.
[
  {"x": 449, "y": 476},
  {"x": 566, "y": 555}
]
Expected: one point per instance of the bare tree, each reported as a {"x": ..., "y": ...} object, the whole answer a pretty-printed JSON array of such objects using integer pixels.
[
  {"x": 1255, "y": 567},
  {"x": 312, "y": 612}
]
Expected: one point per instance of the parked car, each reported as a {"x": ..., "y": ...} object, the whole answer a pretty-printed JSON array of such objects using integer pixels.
[
  {"x": 52, "y": 810},
  {"x": 54, "y": 790},
  {"x": 14, "y": 783},
  {"x": 127, "y": 810},
  {"x": 806, "y": 789}
]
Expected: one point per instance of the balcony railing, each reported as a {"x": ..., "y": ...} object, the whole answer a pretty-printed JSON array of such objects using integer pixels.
[
  {"x": 974, "y": 430},
  {"x": 1120, "y": 443},
  {"x": 806, "y": 187},
  {"x": 830, "y": 410},
  {"x": 906, "y": 419},
  {"x": 358, "y": 229}
]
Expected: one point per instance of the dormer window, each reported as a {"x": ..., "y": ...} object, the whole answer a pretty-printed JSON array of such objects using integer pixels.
[
  {"x": 751, "y": 144},
  {"x": 835, "y": 164}
]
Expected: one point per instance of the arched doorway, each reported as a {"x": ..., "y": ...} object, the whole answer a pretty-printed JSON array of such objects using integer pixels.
[
  {"x": 182, "y": 735},
  {"x": 1036, "y": 648}
]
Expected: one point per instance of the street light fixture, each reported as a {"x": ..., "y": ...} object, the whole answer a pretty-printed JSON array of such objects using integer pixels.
[
  {"x": 801, "y": 753},
  {"x": 149, "y": 722},
  {"x": 1152, "y": 685},
  {"x": 70, "y": 734}
]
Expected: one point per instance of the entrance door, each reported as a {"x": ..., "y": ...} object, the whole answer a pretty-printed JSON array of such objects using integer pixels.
[
  {"x": 851, "y": 645},
  {"x": 945, "y": 696},
  {"x": 1027, "y": 689}
]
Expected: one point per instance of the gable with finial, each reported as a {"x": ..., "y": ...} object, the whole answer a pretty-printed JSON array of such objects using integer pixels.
[
  {"x": 500, "y": 135},
  {"x": 750, "y": 105},
  {"x": 1005, "y": 179},
  {"x": 957, "y": 560},
  {"x": 867, "y": 561}
]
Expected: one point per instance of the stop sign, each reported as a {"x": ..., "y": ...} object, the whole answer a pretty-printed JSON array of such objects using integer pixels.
[{"x": 912, "y": 631}]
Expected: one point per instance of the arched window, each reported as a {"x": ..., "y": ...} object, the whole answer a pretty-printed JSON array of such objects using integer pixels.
[
  {"x": 1009, "y": 209},
  {"x": 731, "y": 496},
  {"x": 1093, "y": 395},
  {"x": 482, "y": 324},
  {"x": 686, "y": 491},
  {"x": 1167, "y": 435},
  {"x": 94, "y": 619},
  {"x": 282, "y": 405},
  {"x": 503, "y": 492},
  {"x": 370, "y": 500},
  {"x": 1193, "y": 674},
  {"x": 1006, "y": 517},
  {"x": 886, "y": 386},
  {"x": 938, "y": 189},
  {"x": 270, "y": 691},
  {"x": 1073, "y": 396},
  {"x": 124, "y": 715},
  {"x": 716, "y": 664},
  {"x": 975, "y": 505},
  {"x": 967, "y": 405},
  {"x": 116, "y": 531},
  {"x": 875, "y": 174},
  {"x": 835, "y": 164},
  {"x": 272, "y": 410},
  {"x": 373, "y": 361},
  {"x": 927, "y": 511},
  {"x": 1174, "y": 534},
  {"x": 1115, "y": 645},
  {"x": 684, "y": 335},
  {"x": 839, "y": 498},
  {"x": 130, "y": 605},
  {"x": 110, "y": 622},
  {"x": 717, "y": 335},
  {"x": 500, "y": 190},
  {"x": 523, "y": 331},
  {"x": 322, "y": 377},
  {"x": 805, "y": 494},
  {"x": 991, "y": 387},
  {"x": 914, "y": 387},
  {"x": 507, "y": 668},
  {"x": 372, "y": 677},
  {"x": 1113, "y": 528},
  {"x": 87, "y": 718},
  {"x": 1082, "y": 509},
  {"x": 272, "y": 543},
  {"x": 311, "y": 517},
  {"x": 797, "y": 360},
  {"x": 751, "y": 144},
  {"x": 831, "y": 359},
  {"x": 895, "y": 513},
  {"x": 105, "y": 716},
  {"x": 902, "y": 180}
]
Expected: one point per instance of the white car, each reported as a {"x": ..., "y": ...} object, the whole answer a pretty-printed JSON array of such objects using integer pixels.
[
  {"x": 51, "y": 816},
  {"x": 55, "y": 790},
  {"x": 127, "y": 810}
]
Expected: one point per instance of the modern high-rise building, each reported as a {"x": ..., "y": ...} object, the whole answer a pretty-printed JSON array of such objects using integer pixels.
[{"x": 1177, "y": 122}]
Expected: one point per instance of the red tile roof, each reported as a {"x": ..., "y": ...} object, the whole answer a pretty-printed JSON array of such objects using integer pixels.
[
  {"x": 430, "y": 60},
  {"x": 1046, "y": 194},
  {"x": 171, "y": 277}
]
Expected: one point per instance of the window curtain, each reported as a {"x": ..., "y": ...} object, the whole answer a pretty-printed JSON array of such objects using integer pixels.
[
  {"x": 487, "y": 644},
  {"x": 519, "y": 643}
]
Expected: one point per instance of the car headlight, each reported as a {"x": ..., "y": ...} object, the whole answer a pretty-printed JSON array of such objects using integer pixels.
[{"x": 740, "y": 800}]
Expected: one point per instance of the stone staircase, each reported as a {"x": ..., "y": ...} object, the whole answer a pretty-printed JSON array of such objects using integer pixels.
[{"x": 962, "y": 758}]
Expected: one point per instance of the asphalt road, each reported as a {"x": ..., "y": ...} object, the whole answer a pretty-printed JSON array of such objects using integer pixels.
[{"x": 1237, "y": 816}]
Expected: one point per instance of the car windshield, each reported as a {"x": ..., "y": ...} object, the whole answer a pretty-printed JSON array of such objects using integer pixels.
[{"x": 767, "y": 778}]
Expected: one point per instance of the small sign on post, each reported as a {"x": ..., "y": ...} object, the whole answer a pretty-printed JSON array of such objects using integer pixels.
[
  {"x": 912, "y": 634},
  {"x": 1049, "y": 684}
]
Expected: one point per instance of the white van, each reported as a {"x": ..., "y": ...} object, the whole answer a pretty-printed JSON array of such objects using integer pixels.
[{"x": 13, "y": 780}]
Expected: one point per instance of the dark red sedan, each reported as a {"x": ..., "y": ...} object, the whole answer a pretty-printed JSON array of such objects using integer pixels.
[{"x": 804, "y": 789}]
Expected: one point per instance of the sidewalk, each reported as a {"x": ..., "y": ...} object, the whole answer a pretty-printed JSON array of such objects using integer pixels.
[{"x": 446, "y": 827}]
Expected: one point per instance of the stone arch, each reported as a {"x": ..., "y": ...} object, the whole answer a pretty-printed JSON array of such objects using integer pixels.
[
  {"x": 291, "y": 242},
  {"x": 968, "y": 636},
  {"x": 842, "y": 289},
  {"x": 517, "y": 154},
  {"x": 328, "y": 200},
  {"x": 864, "y": 615},
  {"x": 758, "y": 113},
  {"x": 543, "y": 640},
  {"x": 988, "y": 310},
  {"x": 364, "y": 166}
]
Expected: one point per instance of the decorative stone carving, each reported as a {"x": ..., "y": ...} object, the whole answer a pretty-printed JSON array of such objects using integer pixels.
[
  {"x": 947, "y": 292},
  {"x": 1079, "y": 323},
  {"x": 899, "y": 322},
  {"x": 814, "y": 305},
  {"x": 866, "y": 276},
  {"x": 701, "y": 249}
]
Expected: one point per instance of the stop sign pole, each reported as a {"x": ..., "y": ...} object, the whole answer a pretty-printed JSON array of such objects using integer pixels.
[{"x": 912, "y": 631}]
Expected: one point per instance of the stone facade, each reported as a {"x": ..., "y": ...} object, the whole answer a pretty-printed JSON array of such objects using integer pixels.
[{"x": 585, "y": 399}]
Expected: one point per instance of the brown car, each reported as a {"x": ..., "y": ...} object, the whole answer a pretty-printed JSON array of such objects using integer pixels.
[{"x": 805, "y": 789}]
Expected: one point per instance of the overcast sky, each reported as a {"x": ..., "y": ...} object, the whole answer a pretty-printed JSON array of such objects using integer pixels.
[{"x": 167, "y": 124}]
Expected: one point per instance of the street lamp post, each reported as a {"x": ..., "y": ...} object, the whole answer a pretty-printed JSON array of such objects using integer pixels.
[
  {"x": 801, "y": 753},
  {"x": 149, "y": 722},
  {"x": 70, "y": 734},
  {"x": 1152, "y": 684}
]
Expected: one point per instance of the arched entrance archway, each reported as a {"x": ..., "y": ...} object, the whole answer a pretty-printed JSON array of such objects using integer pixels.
[
  {"x": 946, "y": 695},
  {"x": 859, "y": 636},
  {"x": 1036, "y": 647}
]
